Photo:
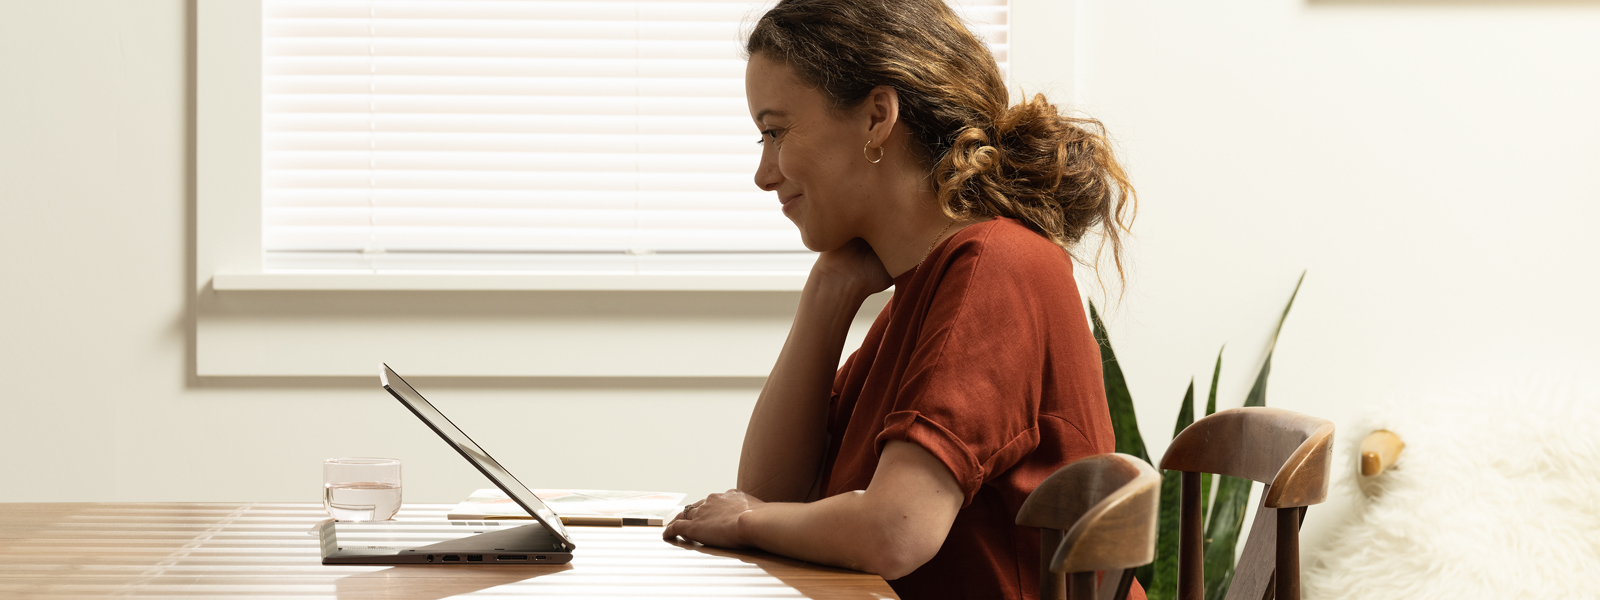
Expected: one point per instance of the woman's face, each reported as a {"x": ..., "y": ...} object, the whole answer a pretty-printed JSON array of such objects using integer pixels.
[{"x": 811, "y": 158}]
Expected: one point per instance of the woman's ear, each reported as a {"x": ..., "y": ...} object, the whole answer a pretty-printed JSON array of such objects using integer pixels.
[{"x": 882, "y": 109}]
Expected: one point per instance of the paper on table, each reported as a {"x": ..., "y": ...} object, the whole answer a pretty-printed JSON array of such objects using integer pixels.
[{"x": 576, "y": 507}]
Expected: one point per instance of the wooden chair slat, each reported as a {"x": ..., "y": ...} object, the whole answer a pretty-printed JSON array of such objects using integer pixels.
[
  {"x": 1252, "y": 575},
  {"x": 1119, "y": 591},
  {"x": 1287, "y": 576},
  {"x": 1191, "y": 557}
]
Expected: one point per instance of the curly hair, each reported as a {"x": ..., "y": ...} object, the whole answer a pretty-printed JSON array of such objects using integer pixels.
[{"x": 985, "y": 158}]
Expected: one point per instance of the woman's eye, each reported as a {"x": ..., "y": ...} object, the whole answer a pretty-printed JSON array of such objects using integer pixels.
[{"x": 772, "y": 133}]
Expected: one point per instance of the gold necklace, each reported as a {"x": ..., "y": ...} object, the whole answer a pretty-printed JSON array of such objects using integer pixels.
[{"x": 935, "y": 242}]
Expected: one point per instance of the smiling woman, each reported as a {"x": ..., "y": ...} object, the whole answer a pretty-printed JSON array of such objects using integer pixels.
[{"x": 888, "y": 140}]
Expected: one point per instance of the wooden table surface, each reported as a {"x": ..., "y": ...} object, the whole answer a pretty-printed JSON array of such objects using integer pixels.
[{"x": 194, "y": 550}]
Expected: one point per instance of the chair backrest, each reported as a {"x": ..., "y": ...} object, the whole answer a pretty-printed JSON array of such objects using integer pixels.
[
  {"x": 1288, "y": 451},
  {"x": 1096, "y": 514}
]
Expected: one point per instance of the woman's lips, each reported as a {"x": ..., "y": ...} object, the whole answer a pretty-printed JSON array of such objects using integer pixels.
[{"x": 788, "y": 203}]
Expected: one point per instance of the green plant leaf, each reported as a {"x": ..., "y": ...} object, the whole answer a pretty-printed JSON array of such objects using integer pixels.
[
  {"x": 1216, "y": 373},
  {"x": 1186, "y": 411},
  {"x": 1285, "y": 316},
  {"x": 1258, "y": 391},
  {"x": 1211, "y": 407},
  {"x": 1164, "y": 571},
  {"x": 1123, "y": 421}
]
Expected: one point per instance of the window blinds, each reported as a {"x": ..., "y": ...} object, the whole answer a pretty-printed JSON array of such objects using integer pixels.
[{"x": 519, "y": 136}]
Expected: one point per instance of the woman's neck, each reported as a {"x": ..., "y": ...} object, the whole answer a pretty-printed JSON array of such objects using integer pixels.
[{"x": 907, "y": 233}]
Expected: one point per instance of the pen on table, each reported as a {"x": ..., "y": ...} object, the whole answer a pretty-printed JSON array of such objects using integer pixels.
[{"x": 609, "y": 521}]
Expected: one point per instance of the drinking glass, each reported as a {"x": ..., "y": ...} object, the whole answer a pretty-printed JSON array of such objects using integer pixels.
[{"x": 361, "y": 489}]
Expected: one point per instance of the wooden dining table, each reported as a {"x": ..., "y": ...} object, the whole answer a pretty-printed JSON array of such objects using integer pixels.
[{"x": 262, "y": 550}]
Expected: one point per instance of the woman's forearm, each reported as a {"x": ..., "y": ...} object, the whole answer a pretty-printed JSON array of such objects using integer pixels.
[
  {"x": 893, "y": 527},
  {"x": 786, "y": 439},
  {"x": 841, "y": 530}
]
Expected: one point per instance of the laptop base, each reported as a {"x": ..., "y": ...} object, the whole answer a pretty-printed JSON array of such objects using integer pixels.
[{"x": 440, "y": 543}]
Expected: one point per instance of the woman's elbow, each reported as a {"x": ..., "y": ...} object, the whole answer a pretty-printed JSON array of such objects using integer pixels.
[
  {"x": 899, "y": 553},
  {"x": 891, "y": 570}
]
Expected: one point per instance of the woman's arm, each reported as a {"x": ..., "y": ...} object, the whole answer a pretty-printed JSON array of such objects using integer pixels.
[
  {"x": 891, "y": 528},
  {"x": 787, "y": 436}
]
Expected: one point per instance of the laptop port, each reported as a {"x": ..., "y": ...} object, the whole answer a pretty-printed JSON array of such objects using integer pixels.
[
  {"x": 540, "y": 557},
  {"x": 475, "y": 557},
  {"x": 430, "y": 558},
  {"x": 452, "y": 558},
  {"x": 512, "y": 557}
]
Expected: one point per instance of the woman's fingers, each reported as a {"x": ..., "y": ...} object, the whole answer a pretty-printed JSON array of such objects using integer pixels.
[
  {"x": 676, "y": 529},
  {"x": 713, "y": 521},
  {"x": 680, "y": 523}
]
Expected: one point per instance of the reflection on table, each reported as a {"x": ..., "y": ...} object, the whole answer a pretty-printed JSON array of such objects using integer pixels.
[{"x": 198, "y": 550}]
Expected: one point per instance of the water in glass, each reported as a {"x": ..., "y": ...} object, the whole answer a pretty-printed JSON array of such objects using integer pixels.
[{"x": 361, "y": 500}]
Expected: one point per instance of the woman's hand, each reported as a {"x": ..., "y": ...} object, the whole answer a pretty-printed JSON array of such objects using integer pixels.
[
  {"x": 713, "y": 521},
  {"x": 854, "y": 267}
]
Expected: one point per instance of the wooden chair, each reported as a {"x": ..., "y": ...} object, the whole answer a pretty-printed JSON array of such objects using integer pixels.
[
  {"x": 1097, "y": 514},
  {"x": 1289, "y": 452}
]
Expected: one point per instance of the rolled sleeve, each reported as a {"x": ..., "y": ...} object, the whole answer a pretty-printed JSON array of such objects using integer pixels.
[{"x": 970, "y": 470}]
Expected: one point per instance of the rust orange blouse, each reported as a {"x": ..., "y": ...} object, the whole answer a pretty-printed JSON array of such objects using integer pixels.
[{"x": 983, "y": 357}]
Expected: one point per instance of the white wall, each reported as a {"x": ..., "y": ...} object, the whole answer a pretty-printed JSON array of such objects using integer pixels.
[{"x": 1433, "y": 165}]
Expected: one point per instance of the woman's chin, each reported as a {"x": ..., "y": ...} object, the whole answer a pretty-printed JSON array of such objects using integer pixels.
[
  {"x": 821, "y": 241},
  {"x": 811, "y": 244},
  {"x": 820, "y": 244},
  {"x": 806, "y": 239}
]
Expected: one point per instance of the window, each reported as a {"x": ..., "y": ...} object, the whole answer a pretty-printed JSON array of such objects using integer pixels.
[{"x": 518, "y": 136}]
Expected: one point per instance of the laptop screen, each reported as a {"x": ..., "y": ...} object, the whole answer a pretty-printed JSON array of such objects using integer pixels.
[{"x": 474, "y": 454}]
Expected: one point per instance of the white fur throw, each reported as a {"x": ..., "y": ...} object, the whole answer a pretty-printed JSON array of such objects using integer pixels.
[{"x": 1496, "y": 495}]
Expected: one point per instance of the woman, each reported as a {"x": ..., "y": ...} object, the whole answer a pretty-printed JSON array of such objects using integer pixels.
[{"x": 888, "y": 141}]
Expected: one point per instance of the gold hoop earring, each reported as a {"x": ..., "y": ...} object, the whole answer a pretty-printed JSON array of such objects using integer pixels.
[{"x": 869, "y": 156}]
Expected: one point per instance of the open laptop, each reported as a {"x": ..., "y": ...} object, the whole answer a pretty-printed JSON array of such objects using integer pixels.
[{"x": 450, "y": 542}]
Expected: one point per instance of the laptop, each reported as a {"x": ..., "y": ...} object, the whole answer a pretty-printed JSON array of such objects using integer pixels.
[{"x": 450, "y": 542}]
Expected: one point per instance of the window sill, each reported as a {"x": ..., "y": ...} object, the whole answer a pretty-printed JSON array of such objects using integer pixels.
[
  {"x": 344, "y": 325},
  {"x": 228, "y": 282}
]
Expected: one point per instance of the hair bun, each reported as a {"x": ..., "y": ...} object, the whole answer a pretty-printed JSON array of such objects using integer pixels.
[
  {"x": 976, "y": 150},
  {"x": 971, "y": 165}
]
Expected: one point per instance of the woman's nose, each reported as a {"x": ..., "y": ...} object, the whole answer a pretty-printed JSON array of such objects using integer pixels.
[{"x": 767, "y": 175}]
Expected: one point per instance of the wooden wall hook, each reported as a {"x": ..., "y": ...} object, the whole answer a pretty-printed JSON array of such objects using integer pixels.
[{"x": 1379, "y": 451}]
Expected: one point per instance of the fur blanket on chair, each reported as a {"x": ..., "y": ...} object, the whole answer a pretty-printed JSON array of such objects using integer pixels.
[{"x": 1496, "y": 495}]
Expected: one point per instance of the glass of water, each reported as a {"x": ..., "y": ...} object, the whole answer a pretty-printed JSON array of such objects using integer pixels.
[{"x": 361, "y": 489}]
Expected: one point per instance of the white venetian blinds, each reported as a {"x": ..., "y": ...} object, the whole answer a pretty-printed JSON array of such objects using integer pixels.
[{"x": 519, "y": 135}]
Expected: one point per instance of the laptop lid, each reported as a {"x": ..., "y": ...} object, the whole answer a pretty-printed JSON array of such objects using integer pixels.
[{"x": 473, "y": 453}]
